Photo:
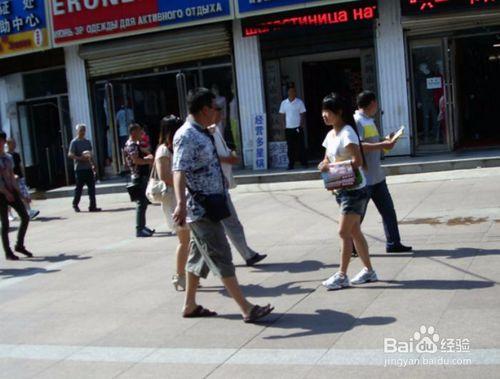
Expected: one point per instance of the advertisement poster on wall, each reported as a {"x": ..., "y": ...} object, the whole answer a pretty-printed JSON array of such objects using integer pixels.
[
  {"x": 23, "y": 27},
  {"x": 79, "y": 21}
]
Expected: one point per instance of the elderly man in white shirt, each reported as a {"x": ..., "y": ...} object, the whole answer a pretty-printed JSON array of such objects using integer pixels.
[
  {"x": 293, "y": 119},
  {"x": 232, "y": 225}
]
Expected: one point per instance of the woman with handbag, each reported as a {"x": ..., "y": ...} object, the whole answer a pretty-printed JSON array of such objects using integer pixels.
[
  {"x": 163, "y": 165},
  {"x": 344, "y": 154}
]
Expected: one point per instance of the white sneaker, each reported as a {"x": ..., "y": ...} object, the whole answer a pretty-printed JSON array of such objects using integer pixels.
[
  {"x": 33, "y": 213},
  {"x": 12, "y": 218},
  {"x": 365, "y": 276},
  {"x": 336, "y": 281}
]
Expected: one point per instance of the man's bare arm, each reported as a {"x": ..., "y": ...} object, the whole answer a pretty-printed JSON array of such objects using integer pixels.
[{"x": 180, "y": 213}]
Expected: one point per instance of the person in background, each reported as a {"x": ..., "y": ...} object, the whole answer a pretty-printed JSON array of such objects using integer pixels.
[
  {"x": 197, "y": 168},
  {"x": 84, "y": 171},
  {"x": 145, "y": 142},
  {"x": 20, "y": 176},
  {"x": 232, "y": 225},
  {"x": 10, "y": 196},
  {"x": 293, "y": 119},
  {"x": 376, "y": 184},
  {"x": 124, "y": 117},
  {"x": 342, "y": 146},
  {"x": 139, "y": 164},
  {"x": 163, "y": 161}
]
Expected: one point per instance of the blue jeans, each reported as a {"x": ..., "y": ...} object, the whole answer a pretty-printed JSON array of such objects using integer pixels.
[{"x": 382, "y": 199}]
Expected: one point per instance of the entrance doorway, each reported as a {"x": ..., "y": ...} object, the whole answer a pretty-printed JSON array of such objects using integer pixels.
[
  {"x": 146, "y": 99},
  {"x": 431, "y": 103},
  {"x": 454, "y": 87},
  {"x": 343, "y": 76},
  {"x": 45, "y": 134},
  {"x": 477, "y": 79}
]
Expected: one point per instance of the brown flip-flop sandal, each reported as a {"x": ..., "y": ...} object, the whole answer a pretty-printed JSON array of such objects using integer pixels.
[
  {"x": 257, "y": 312},
  {"x": 199, "y": 311}
]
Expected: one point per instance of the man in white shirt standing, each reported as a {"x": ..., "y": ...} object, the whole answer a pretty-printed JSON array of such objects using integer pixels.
[{"x": 293, "y": 119}]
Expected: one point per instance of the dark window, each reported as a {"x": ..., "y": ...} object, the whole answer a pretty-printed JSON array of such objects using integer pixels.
[{"x": 45, "y": 83}]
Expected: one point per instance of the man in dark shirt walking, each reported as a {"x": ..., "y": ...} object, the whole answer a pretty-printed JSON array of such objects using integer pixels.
[
  {"x": 139, "y": 164},
  {"x": 80, "y": 150},
  {"x": 21, "y": 181},
  {"x": 10, "y": 196}
]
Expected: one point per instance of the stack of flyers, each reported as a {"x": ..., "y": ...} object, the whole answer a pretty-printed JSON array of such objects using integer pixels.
[{"x": 339, "y": 176}]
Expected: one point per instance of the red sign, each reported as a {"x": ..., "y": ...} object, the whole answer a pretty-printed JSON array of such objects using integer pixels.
[
  {"x": 412, "y": 7},
  {"x": 83, "y": 20},
  {"x": 327, "y": 18}
]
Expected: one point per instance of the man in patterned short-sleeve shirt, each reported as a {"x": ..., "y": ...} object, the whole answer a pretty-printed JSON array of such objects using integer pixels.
[{"x": 197, "y": 168}]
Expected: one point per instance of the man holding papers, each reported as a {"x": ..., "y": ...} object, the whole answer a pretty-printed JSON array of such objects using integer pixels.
[{"x": 374, "y": 173}]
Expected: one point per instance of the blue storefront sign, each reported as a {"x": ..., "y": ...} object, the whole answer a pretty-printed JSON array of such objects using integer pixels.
[
  {"x": 23, "y": 26},
  {"x": 253, "y": 7}
]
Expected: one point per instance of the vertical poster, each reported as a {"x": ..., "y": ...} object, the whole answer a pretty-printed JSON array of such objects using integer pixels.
[{"x": 260, "y": 142}]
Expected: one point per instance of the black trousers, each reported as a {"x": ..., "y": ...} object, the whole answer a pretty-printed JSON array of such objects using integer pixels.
[
  {"x": 381, "y": 197},
  {"x": 84, "y": 177},
  {"x": 141, "y": 204},
  {"x": 296, "y": 146},
  {"x": 20, "y": 209}
]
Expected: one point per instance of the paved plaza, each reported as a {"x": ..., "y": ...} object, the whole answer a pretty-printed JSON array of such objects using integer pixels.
[{"x": 97, "y": 303}]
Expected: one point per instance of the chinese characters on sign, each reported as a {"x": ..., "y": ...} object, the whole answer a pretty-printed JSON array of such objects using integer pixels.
[
  {"x": 76, "y": 21},
  {"x": 22, "y": 26},
  {"x": 278, "y": 154},
  {"x": 415, "y": 7},
  {"x": 260, "y": 143}
]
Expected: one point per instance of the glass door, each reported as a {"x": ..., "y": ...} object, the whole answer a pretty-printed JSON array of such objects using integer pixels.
[
  {"x": 113, "y": 114},
  {"x": 42, "y": 144},
  {"x": 66, "y": 135},
  {"x": 432, "y": 94}
]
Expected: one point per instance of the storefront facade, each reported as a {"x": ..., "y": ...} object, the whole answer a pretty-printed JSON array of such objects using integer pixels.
[
  {"x": 138, "y": 70},
  {"x": 34, "y": 105},
  {"x": 453, "y": 51},
  {"x": 318, "y": 50},
  {"x": 433, "y": 64}
]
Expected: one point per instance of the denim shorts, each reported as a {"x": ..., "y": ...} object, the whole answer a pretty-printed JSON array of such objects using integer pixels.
[{"x": 352, "y": 201}]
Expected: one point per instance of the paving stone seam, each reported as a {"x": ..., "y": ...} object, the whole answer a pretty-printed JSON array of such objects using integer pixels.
[{"x": 267, "y": 326}]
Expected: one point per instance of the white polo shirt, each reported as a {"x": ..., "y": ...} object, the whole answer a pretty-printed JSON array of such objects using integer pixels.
[{"x": 292, "y": 111}]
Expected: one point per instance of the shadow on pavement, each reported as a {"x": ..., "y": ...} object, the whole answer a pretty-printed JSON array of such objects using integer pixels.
[
  {"x": 20, "y": 272},
  {"x": 60, "y": 258},
  {"x": 431, "y": 284},
  {"x": 323, "y": 321},
  {"x": 293, "y": 267},
  {"x": 164, "y": 234},
  {"x": 116, "y": 210},
  {"x": 46, "y": 219},
  {"x": 255, "y": 290},
  {"x": 462, "y": 252}
]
